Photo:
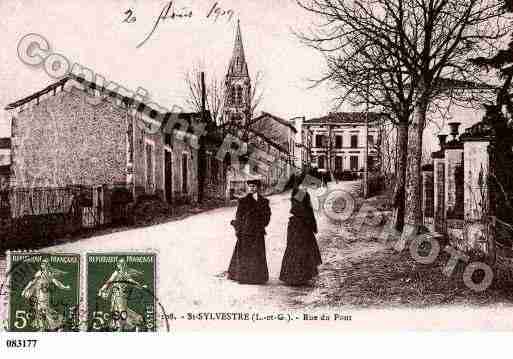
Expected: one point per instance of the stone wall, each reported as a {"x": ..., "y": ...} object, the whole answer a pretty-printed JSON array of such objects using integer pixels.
[
  {"x": 65, "y": 140},
  {"x": 461, "y": 197}
]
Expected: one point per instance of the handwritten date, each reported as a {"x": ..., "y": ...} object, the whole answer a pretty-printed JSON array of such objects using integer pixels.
[{"x": 171, "y": 12}]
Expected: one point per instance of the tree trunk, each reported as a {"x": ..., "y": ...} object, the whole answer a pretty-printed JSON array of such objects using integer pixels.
[
  {"x": 402, "y": 151},
  {"x": 413, "y": 195}
]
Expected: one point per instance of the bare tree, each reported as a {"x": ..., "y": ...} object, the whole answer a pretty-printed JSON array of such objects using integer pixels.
[
  {"x": 214, "y": 91},
  {"x": 400, "y": 55}
]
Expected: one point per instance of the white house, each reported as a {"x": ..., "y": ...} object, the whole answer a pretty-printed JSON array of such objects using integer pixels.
[{"x": 339, "y": 140}]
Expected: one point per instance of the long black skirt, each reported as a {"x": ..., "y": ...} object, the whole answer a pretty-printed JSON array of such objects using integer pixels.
[
  {"x": 248, "y": 264},
  {"x": 302, "y": 255}
]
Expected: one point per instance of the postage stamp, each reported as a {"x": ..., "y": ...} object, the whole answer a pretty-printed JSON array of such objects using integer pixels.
[
  {"x": 43, "y": 291},
  {"x": 121, "y": 292}
]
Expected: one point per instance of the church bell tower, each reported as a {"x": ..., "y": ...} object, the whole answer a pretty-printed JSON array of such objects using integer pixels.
[{"x": 237, "y": 109}]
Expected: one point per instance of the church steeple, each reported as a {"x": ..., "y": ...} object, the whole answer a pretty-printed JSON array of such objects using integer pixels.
[
  {"x": 238, "y": 66},
  {"x": 237, "y": 107}
]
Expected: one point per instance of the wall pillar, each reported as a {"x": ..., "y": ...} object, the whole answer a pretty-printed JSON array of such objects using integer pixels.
[
  {"x": 454, "y": 193},
  {"x": 439, "y": 192},
  {"x": 428, "y": 199},
  {"x": 476, "y": 194}
]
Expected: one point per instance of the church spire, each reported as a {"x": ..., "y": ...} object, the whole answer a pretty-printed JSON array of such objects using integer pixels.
[{"x": 238, "y": 66}]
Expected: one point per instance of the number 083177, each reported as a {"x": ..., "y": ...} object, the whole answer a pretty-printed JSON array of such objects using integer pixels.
[{"x": 21, "y": 343}]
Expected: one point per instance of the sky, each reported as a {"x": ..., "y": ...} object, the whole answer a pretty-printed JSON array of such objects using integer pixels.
[{"x": 94, "y": 34}]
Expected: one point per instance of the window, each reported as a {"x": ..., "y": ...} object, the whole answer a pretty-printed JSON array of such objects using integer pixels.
[
  {"x": 13, "y": 126},
  {"x": 353, "y": 162},
  {"x": 354, "y": 141},
  {"x": 318, "y": 140},
  {"x": 232, "y": 95},
  {"x": 321, "y": 162},
  {"x": 338, "y": 141},
  {"x": 130, "y": 140},
  {"x": 370, "y": 140},
  {"x": 338, "y": 163},
  {"x": 238, "y": 95},
  {"x": 184, "y": 173},
  {"x": 150, "y": 182}
]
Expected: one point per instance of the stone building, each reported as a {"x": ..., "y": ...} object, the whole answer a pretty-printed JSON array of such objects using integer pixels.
[
  {"x": 338, "y": 141},
  {"x": 75, "y": 132}
]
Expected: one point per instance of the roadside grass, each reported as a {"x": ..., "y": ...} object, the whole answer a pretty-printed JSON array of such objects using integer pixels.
[{"x": 360, "y": 271}]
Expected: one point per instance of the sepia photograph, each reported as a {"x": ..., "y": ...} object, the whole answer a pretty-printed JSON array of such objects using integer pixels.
[{"x": 287, "y": 166}]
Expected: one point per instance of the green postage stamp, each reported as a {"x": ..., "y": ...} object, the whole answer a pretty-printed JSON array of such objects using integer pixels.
[
  {"x": 121, "y": 292},
  {"x": 44, "y": 292}
]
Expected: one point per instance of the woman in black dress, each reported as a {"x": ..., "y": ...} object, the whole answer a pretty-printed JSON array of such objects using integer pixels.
[
  {"x": 248, "y": 264},
  {"x": 302, "y": 256}
]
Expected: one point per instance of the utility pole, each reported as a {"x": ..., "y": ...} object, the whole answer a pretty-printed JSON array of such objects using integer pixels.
[
  {"x": 366, "y": 153},
  {"x": 330, "y": 149},
  {"x": 202, "y": 153}
]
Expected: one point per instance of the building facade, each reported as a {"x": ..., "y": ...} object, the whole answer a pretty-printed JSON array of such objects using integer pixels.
[
  {"x": 76, "y": 133},
  {"x": 302, "y": 144},
  {"x": 339, "y": 141}
]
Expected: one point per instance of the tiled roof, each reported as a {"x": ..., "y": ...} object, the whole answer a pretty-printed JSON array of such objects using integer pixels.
[
  {"x": 37, "y": 94},
  {"x": 345, "y": 118},
  {"x": 139, "y": 106},
  {"x": 463, "y": 84},
  {"x": 275, "y": 118}
]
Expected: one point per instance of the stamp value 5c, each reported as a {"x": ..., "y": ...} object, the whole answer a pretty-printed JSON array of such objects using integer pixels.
[
  {"x": 121, "y": 292},
  {"x": 44, "y": 292}
]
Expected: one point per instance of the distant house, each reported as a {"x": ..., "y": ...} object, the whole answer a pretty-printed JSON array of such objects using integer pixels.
[
  {"x": 301, "y": 153},
  {"x": 276, "y": 129},
  {"x": 75, "y": 132},
  {"x": 338, "y": 140}
]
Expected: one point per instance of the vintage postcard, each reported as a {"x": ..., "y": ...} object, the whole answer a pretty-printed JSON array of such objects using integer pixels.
[{"x": 255, "y": 166}]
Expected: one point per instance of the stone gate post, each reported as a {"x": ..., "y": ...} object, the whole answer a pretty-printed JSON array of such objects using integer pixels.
[
  {"x": 439, "y": 187},
  {"x": 476, "y": 194},
  {"x": 428, "y": 200},
  {"x": 454, "y": 187}
]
